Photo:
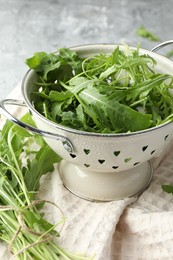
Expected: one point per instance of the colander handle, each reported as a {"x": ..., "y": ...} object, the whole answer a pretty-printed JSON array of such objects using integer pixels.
[
  {"x": 161, "y": 45},
  {"x": 66, "y": 143}
]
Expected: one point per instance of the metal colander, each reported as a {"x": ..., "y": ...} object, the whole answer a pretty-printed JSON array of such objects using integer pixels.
[{"x": 99, "y": 166}]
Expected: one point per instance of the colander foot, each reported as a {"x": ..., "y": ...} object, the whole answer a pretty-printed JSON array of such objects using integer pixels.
[{"x": 105, "y": 186}]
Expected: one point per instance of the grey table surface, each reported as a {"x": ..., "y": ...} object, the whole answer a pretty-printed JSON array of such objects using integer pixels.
[{"x": 46, "y": 25}]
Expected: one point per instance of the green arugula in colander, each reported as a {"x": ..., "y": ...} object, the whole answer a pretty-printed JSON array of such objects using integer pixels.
[{"x": 115, "y": 93}]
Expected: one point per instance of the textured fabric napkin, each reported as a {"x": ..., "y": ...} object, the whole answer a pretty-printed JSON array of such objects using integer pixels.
[{"x": 133, "y": 228}]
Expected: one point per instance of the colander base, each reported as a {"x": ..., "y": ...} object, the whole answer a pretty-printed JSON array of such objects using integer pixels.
[{"x": 105, "y": 186}]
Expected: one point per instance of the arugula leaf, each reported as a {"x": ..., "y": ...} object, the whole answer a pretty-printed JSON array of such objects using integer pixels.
[
  {"x": 40, "y": 165},
  {"x": 46, "y": 65},
  {"x": 70, "y": 57},
  {"x": 43, "y": 63},
  {"x": 37, "y": 60},
  {"x": 167, "y": 188},
  {"x": 111, "y": 114},
  {"x": 143, "y": 32},
  {"x": 59, "y": 96},
  {"x": 169, "y": 54}
]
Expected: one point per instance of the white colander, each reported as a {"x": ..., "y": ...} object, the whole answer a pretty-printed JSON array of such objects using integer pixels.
[{"x": 99, "y": 166}]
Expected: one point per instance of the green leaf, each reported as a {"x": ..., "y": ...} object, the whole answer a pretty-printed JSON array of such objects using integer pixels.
[
  {"x": 44, "y": 63},
  {"x": 42, "y": 164},
  {"x": 167, "y": 188},
  {"x": 35, "y": 221},
  {"x": 36, "y": 61},
  {"x": 70, "y": 57},
  {"x": 145, "y": 33},
  {"x": 77, "y": 84},
  {"x": 108, "y": 72},
  {"x": 127, "y": 119},
  {"x": 59, "y": 96},
  {"x": 111, "y": 113},
  {"x": 21, "y": 131},
  {"x": 169, "y": 54},
  {"x": 140, "y": 90}
]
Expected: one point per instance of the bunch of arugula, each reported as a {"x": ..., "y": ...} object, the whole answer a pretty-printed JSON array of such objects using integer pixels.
[
  {"x": 113, "y": 93},
  {"x": 22, "y": 226}
]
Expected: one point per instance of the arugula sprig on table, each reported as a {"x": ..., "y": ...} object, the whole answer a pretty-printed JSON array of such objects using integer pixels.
[
  {"x": 24, "y": 158},
  {"x": 167, "y": 188},
  {"x": 145, "y": 33},
  {"x": 103, "y": 93}
]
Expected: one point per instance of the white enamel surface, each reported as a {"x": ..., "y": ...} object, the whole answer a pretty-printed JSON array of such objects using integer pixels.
[
  {"x": 115, "y": 153},
  {"x": 105, "y": 154},
  {"x": 101, "y": 186}
]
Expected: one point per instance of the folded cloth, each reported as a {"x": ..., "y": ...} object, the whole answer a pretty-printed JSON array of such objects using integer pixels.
[
  {"x": 133, "y": 228},
  {"x": 145, "y": 229},
  {"x": 89, "y": 226}
]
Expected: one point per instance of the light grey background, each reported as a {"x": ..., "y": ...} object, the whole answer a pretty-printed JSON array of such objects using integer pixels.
[{"x": 27, "y": 26}]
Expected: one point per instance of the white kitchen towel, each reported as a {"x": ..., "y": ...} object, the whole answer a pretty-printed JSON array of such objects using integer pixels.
[{"x": 145, "y": 229}]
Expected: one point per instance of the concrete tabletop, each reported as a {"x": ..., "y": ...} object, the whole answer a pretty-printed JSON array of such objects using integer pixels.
[{"x": 46, "y": 25}]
